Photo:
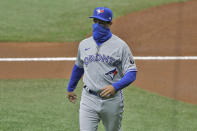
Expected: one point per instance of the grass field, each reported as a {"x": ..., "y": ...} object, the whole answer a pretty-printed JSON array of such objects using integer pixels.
[
  {"x": 40, "y": 105},
  {"x": 58, "y": 20}
]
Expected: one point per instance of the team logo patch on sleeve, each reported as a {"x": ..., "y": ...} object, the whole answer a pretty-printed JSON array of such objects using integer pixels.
[
  {"x": 131, "y": 60},
  {"x": 112, "y": 73}
]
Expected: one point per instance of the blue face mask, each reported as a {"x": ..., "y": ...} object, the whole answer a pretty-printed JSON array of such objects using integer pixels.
[{"x": 101, "y": 33}]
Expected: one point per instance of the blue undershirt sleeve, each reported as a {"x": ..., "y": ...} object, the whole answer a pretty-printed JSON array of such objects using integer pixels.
[
  {"x": 76, "y": 75},
  {"x": 126, "y": 80}
]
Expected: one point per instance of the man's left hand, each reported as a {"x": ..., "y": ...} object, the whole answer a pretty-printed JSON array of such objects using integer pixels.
[{"x": 108, "y": 91}]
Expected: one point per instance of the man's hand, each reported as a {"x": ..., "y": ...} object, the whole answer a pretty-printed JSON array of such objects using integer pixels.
[
  {"x": 108, "y": 91},
  {"x": 72, "y": 97}
]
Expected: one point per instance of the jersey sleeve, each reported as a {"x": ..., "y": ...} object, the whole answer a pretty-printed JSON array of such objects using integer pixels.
[
  {"x": 79, "y": 61},
  {"x": 128, "y": 62}
]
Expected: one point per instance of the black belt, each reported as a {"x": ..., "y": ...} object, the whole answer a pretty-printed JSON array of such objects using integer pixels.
[{"x": 92, "y": 92}]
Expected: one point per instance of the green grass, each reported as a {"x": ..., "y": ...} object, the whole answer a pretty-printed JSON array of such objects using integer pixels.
[
  {"x": 40, "y": 105},
  {"x": 58, "y": 20}
]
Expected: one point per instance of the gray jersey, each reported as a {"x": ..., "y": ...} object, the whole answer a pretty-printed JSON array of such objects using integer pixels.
[{"x": 105, "y": 64}]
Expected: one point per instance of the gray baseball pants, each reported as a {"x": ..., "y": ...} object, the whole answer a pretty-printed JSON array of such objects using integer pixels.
[{"x": 93, "y": 109}]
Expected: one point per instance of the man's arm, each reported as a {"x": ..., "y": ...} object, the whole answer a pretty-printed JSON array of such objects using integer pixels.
[
  {"x": 126, "y": 80},
  {"x": 76, "y": 75}
]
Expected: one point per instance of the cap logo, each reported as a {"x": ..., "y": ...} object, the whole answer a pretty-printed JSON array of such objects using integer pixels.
[{"x": 99, "y": 11}]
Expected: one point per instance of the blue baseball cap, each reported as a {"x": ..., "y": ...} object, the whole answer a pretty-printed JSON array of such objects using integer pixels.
[{"x": 102, "y": 13}]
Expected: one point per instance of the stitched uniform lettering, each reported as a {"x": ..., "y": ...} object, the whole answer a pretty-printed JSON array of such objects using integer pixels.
[{"x": 98, "y": 58}]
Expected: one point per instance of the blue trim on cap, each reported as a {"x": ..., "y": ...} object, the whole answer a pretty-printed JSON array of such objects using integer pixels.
[{"x": 100, "y": 18}]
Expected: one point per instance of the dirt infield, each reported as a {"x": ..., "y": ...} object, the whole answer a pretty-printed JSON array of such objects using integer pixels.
[{"x": 167, "y": 30}]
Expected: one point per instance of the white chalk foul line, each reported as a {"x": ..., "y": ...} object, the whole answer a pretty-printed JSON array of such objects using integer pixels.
[
  {"x": 165, "y": 58},
  {"x": 74, "y": 58},
  {"x": 40, "y": 59}
]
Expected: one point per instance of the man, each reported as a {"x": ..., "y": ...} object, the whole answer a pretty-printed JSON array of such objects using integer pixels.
[{"x": 108, "y": 66}]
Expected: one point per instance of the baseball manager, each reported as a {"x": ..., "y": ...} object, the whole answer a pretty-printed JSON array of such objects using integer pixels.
[{"x": 108, "y": 67}]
